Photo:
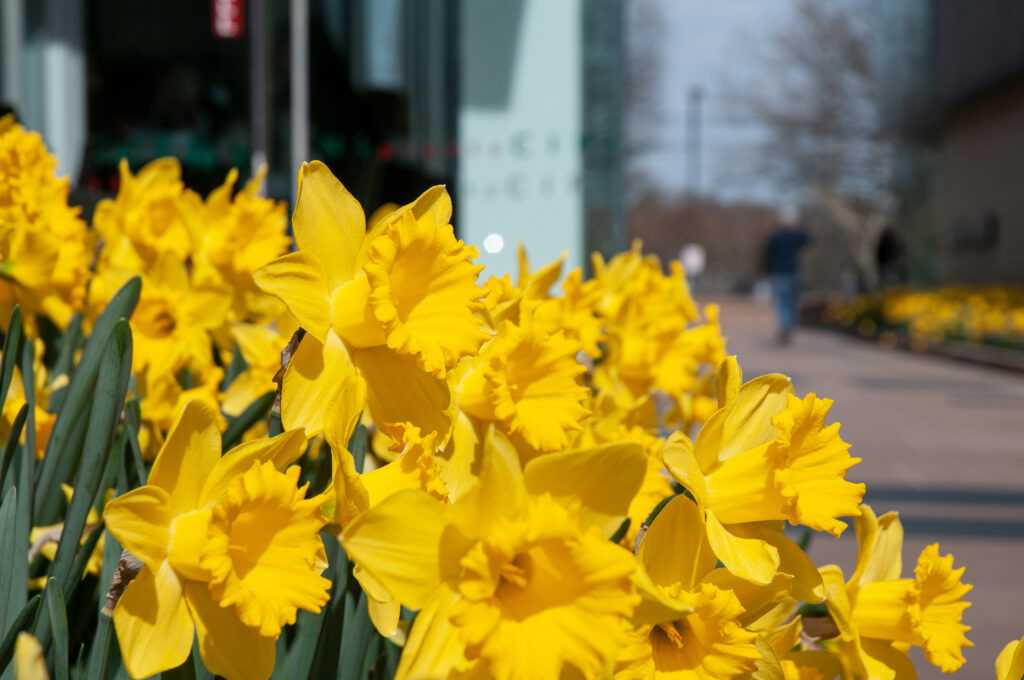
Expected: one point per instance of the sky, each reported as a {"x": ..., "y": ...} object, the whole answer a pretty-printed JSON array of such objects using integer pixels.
[{"x": 710, "y": 45}]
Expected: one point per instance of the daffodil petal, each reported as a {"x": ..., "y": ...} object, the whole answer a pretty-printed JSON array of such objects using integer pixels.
[
  {"x": 746, "y": 423},
  {"x": 815, "y": 461},
  {"x": 807, "y": 585},
  {"x": 300, "y": 282},
  {"x": 328, "y": 222},
  {"x": 880, "y": 540},
  {"x": 757, "y": 600},
  {"x": 885, "y": 662},
  {"x": 282, "y": 450},
  {"x": 499, "y": 492},
  {"x": 603, "y": 479},
  {"x": 243, "y": 391},
  {"x": 29, "y": 658},
  {"x": 229, "y": 648},
  {"x": 353, "y": 319},
  {"x": 398, "y": 542},
  {"x": 675, "y": 547},
  {"x": 385, "y": 616},
  {"x": 681, "y": 462},
  {"x": 140, "y": 522},
  {"x": 313, "y": 377},
  {"x": 434, "y": 646},
  {"x": 837, "y": 600},
  {"x": 188, "y": 537},
  {"x": 749, "y": 558},
  {"x": 459, "y": 474},
  {"x": 398, "y": 390},
  {"x": 1010, "y": 662},
  {"x": 187, "y": 458},
  {"x": 350, "y": 497},
  {"x": 152, "y": 622},
  {"x": 434, "y": 200},
  {"x": 826, "y": 664},
  {"x": 345, "y": 410},
  {"x": 655, "y": 605},
  {"x": 728, "y": 379}
]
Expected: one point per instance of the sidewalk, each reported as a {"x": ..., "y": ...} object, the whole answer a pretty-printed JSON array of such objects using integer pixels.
[{"x": 942, "y": 443}]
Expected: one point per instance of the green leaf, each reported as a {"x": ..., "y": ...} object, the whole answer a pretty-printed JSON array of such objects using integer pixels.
[
  {"x": 61, "y": 456},
  {"x": 234, "y": 368},
  {"x": 186, "y": 671},
  {"x": 100, "y": 650},
  {"x": 111, "y": 387},
  {"x": 132, "y": 421},
  {"x": 68, "y": 343},
  {"x": 115, "y": 461},
  {"x": 197, "y": 662},
  {"x": 325, "y": 657},
  {"x": 8, "y": 510},
  {"x": 11, "y": 352},
  {"x": 358, "y": 632},
  {"x": 18, "y": 592},
  {"x": 58, "y": 615},
  {"x": 85, "y": 553},
  {"x": 621, "y": 531},
  {"x": 275, "y": 422},
  {"x": 357, "y": 445},
  {"x": 28, "y": 371},
  {"x": 253, "y": 413},
  {"x": 111, "y": 556},
  {"x": 306, "y": 634},
  {"x": 12, "y": 443},
  {"x": 21, "y": 622}
]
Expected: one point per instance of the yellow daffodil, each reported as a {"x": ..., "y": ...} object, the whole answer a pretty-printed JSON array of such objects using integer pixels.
[
  {"x": 29, "y": 659},
  {"x": 44, "y": 540},
  {"x": 1010, "y": 663},
  {"x": 173, "y": 320},
  {"x": 650, "y": 340},
  {"x": 397, "y": 302},
  {"x": 146, "y": 219},
  {"x": 574, "y": 313},
  {"x": 606, "y": 427},
  {"x": 16, "y": 399},
  {"x": 45, "y": 247},
  {"x": 413, "y": 466},
  {"x": 782, "y": 629},
  {"x": 519, "y": 562},
  {"x": 163, "y": 396},
  {"x": 687, "y": 626},
  {"x": 230, "y": 546},
  {"x": 879, "y": 614},
  {"x": 526, "y": 380},
  {"x": 766, "y": 455},
  {"x": 236, "y": 236},
  {"x": 261, "y": 348}
]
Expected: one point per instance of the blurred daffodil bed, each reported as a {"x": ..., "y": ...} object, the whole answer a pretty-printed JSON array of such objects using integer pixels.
[
  {"x": 989, "y": 315},
  {"x": 359, "y": 456}
]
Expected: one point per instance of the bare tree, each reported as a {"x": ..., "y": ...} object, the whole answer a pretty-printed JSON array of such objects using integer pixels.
[
  {"x": 816, "y": 98},
  {"x": 645, "y": 31}
]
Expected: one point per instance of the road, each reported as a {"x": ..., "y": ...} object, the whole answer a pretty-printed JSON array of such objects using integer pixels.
[{"x": 942, "y": 443}]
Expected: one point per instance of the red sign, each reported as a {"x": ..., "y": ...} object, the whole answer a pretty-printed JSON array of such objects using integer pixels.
[{"x": 228, "y": 19}]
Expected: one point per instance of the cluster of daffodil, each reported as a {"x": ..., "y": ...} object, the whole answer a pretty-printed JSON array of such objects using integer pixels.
[
  {"x": 462, "y": 476},
  {"x": 988, "y": 314}
]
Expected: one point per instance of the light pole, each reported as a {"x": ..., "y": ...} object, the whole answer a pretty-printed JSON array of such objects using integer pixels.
[{"x": 693, "y": 102}]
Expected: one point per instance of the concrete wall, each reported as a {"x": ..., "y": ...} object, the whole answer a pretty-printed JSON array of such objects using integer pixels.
[{"x": 982, "y": 199}]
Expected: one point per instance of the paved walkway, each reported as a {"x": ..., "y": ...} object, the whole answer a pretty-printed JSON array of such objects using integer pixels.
[{"x": 942, "y": 443}]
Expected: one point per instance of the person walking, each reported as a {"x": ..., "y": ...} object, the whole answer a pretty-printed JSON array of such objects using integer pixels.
[{"x": 782, "y": 262}]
